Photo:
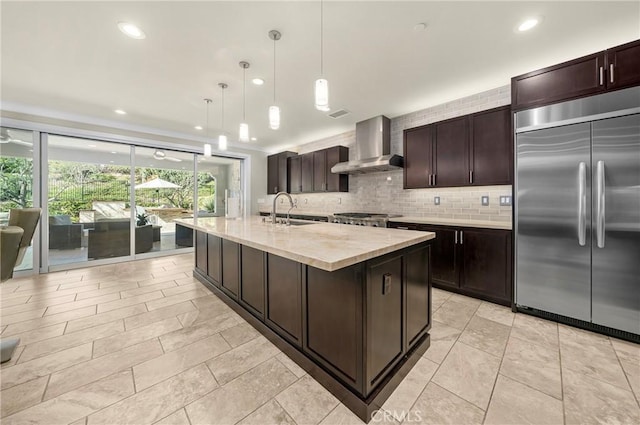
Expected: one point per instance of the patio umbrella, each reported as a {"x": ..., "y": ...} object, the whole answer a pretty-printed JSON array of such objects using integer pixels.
[{"x": 157, "y": 184}]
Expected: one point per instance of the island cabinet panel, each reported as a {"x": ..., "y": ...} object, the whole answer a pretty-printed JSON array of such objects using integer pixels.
[
  {"x": 230, "y": 268},
  {"x": 201, "y": 252},
  {"x": 417, "y": 294},
  {"x": 214, "y": 259},
  {"x": 487, "y": 262},
  {"x": 384, "y": 318},
  {"x": 284, "y": 298},
  {"x": 333, "y": 317},
  {"x": 252, "y": 283}
]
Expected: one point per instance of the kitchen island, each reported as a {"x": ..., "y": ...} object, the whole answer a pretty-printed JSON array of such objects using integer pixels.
[{"x": 350, "y": 305}]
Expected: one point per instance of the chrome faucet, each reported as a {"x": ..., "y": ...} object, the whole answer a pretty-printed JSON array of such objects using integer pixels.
[{"x": 273, "y": 211}]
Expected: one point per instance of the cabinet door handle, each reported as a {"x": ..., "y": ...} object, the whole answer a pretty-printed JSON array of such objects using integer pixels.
[
  {"x": 402, "y": 228},
  {"x": 601, "y": 75},
  {"x": 456, "y": 237},
  {"x": 275, "y": 189},
  {"x": 434, "y": 179},
  {"x": 611, "y": 73},
  {"x": 461, "y": 240},
  {"x": 470, "y": 176}
]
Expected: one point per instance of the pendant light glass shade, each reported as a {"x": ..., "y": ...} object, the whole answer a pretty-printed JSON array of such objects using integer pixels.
[
  {"x": 222, "y": 138},
  {"x": 322, "y": 94},
  {"x": 207, "y": 146},
  {"x": 274, "y": 117},
  {"x": 222, "y": 142},
  {"x": 244, "y": 132},
  {"x": 207, "y": 149}
]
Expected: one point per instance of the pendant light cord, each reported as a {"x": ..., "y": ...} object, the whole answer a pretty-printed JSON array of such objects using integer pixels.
[
  {"x": 274, "y": 70},
  {"x": 321, "y": 38},
  {"x": 244, "y": 94},
  {"x": 222, "y": 123},
  {"x": 208, "y": 102}
]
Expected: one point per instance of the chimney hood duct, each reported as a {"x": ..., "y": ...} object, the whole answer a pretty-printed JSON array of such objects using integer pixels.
[{"x": 373, "y": 140}]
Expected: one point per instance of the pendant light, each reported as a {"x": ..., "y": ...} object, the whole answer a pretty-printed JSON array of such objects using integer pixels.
[
  {"x": 274, "y": 111},
  {"x": 322, "y": 85},
  {"x": 207, "y": 146},
  {"x": 222, "y": 138},
  {"x": 244, "y": 127}
]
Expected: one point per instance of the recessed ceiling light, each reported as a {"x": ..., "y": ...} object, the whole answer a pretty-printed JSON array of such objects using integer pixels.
[
  {"x": 420, "y": 27},
  {"x": 113, "y": 152},
  {"x": 198, "y": 127},
  {"x": 528, "y": 24},
  {"x": 131, "y": 30},
  {"x": 120, "y": 112},
  {"x": 92, "y": 146},
  {"x": 111, "y": 162},
  {"x": 253, "y": 139},
  {"x": 258, "y": 81}
]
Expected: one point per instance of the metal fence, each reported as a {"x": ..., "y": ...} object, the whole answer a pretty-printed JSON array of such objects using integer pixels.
[{"x": 88, "y": 191}]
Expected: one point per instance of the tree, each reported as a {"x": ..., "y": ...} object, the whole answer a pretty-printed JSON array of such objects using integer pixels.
[{"x": 16, "y": 175}]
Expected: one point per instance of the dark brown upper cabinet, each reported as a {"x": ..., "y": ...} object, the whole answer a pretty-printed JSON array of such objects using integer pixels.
[
  {"x": 623, "y": 66},
  {"x": 311, "y": 172},
  {"x": 612, "y": 69},
  {"x": 418, "y": 157},
  {"x": 277, "y": 172},
  {"x": 491, "y": 150},
  {"x": 451, "y": 152},
  {"x": 468, "y": 150}
]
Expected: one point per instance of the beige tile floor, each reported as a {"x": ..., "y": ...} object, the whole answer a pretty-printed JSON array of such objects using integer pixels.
[{"x": 143, "y": 342}]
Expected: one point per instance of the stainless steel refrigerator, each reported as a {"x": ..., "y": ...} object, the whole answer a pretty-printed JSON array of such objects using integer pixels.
[{"x": 577, "y": 209}]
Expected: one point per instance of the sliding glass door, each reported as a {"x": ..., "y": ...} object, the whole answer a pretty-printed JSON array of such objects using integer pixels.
[{"x": 88, "y": 200}]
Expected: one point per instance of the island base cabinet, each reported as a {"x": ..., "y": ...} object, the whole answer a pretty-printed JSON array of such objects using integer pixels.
[
  {"x": 418, "y": 294},
  {"x": 284, "y": 298},
  {"x": 201, "y": 252},
  {"x": 252, "y": 280},
  {"x": 214, "y": 257},
  {"x": 333, "y": 333},
  {"x": 230, "y": 268}
]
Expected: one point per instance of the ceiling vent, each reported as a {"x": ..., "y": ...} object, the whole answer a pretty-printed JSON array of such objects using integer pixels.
[{"x": 338, "y": 114}]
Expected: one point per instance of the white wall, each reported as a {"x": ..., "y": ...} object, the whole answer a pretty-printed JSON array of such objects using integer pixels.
[{"x": 383, "y": 192}]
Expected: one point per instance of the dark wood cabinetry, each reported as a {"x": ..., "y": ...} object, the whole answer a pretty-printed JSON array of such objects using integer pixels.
[
  {"x": 214, "y": 258},
  {"x": 311, "y": 172},
  {"x": 487, "y": 263},
  {"x": 201, "y": 252},
  {"x": 284, "y": 298},
  {"x": 491, "y": 147},
  {"x": 252, "y": 280},
  {"x": 612, "y": 69},
  {"x": 472, "y": 261},
  {"x": 417, "y": 272},
  {"x": 473, "y": 149},
  {"x": 230, "y": 282},
  {"x": 623, "y": 66},
  {"x": 277, "y": 172},
  {"x": 418, "y": 157}
]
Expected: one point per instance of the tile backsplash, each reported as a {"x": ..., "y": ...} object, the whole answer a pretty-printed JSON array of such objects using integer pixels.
[{"x": 383, "y": 192}]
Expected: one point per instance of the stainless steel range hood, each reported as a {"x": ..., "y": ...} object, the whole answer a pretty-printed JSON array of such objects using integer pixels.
[{"x": 372, "y": 149}]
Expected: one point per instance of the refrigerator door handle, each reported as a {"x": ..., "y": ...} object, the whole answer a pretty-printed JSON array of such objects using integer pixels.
[
  {"x": 582, "y": 203},
  {"x": 600, "y": 204}
]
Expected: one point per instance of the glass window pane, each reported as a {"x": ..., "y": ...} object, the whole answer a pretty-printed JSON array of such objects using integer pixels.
[
  {"x": 215, "y": 175},
  {"x": 164, "y": 191},
  {"x": 88, "y": 201},
  {"x": 16, "y": 179}
]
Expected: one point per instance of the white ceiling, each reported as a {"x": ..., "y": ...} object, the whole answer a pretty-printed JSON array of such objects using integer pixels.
[{"x": 69, "y": 60}]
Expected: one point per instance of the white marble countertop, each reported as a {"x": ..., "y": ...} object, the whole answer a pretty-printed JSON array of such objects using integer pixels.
[
  {"x": 326, "y": 246},
  {"x": 486, "y": 224}
]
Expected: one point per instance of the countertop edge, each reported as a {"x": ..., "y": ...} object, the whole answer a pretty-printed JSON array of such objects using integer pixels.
[
  {"x": 497, "y": 225},
  {"x": 419, "y": 238}
]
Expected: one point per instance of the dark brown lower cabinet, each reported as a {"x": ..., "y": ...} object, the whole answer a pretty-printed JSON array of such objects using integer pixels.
[
  {"x": 384, "y": 318},
  {"x": 487, "y": 263},
  {"x": 230, "y": 267},
  {"x": 418, "y": 294},
  {"x": 201, "y": 252},
  {"x": 252, "y": 280},
  {"x": 214, "y": 257},
  {"x": 361, "y": 325},
  {"x": 471, "y": 261},
  {"x": 284, "y": 298},
  {"x": 334, "y": 320}
]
